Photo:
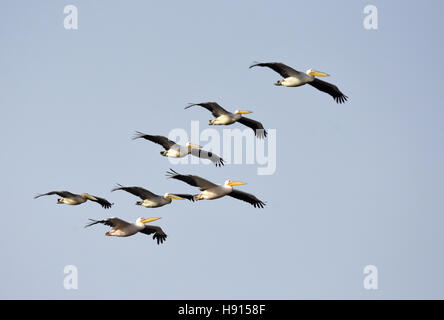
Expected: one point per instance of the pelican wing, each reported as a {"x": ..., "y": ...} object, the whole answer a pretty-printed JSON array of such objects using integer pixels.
[
  {"x": 329, "y": 88},
  {"x": 103, "y": 202},
  {"x": 247, "y": 197},
  {"x": 218, "y": 161},
  {"x": 213, "y": 107},
  {"x": 163, "y": 141},
  {"x": 63, "y": 194},
  {"x": 137, "y": 191},
  {"x": 184, "y": 195},
  {"x": 284, "y": 70},
  {"x": 158, "y": 235},
  {"x": 111, "y": 222},
  {"x": 257, "y": 127},
  {"x": 192, "y": 180}
]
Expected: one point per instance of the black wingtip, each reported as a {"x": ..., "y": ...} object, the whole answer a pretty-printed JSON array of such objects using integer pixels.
[
  {"x": 108, "y": 206},
  {"x": 118, "y": 186},
  {"x": 255, "y": 63},
  {"x": 341, "y": 99},
  {"x": 138, "y": 135},
  {"x": 171, "y": 173},
  {"x": 93, "y": 222}
]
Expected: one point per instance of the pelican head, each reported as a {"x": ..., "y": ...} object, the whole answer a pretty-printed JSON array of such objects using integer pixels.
[
  {"x": 189, "y": 145},
  {"x": 234, "y": 183},
  {"x": 139, "y": 203},
  {"x": 142, "y": 220},
  {"x": 171, "y": 196},
  {"x": 279, "y": 83},
  {"x": 242, "y": 112},
  {"x": 60, "y": 200},
  {"x": 316, "y": 73}
]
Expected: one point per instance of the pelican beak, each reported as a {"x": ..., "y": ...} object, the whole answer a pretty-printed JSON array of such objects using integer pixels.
[
  {"x": 236, "y": 183},
  {"x": 244, "y": 112},
  {"x": 194, "y": 146},
  {"x": 90, "y": 197},
  {"x": 318, "y": 73},
  {"x": 174, "y": 197},
  {"x": 149, "y": 220}
]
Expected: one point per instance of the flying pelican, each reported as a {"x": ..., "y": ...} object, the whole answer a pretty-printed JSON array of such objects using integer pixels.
[
  {"x": 294, "y": 78},
  {"x": 151, "y": 200},
  {"x": 121, "y": 228},
  {"x": 211, "y": 191},
  {"x": 223, "y": 117},
  {"x": 76, "y": 199},
  {"x": 175, "y": 150}
]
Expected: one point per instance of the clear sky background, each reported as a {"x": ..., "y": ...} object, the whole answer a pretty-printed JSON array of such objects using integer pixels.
[{"x": 356, "y": 184}]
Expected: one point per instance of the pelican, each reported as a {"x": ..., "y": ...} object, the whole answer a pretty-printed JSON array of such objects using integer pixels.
[
  {"x": 121, "y": 228},
  {"x": 223, "y": 117},
  {"x": 175, "y": 150},
  {"x": 151, "y": 200},
  {"x": 76, "y": 199},
  {"x": 211, "y": 191},
  {"x": 294, "y": 78}
]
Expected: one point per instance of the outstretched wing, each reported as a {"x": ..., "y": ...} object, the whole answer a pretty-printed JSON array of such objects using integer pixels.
[
  {"x": 63, "y": 194},
  {"x": 158, "y": 235},
  {"x": 103, "y": 202},
  {"x": 329, "y": 88},
  {"x": 284, "y": 70},
  {"x": 163, "y": 141},
  {"x": 213, "y": 107},
  {"x": 192, "y": 180},
  {"x": 257, "y": 127},
  {"x": 218, "y": 161},
  {"x": 137, "y": 191},
  {"x": 184, "y": 195},
  {"x": 247, "y": 197},
  {"x": 111, "y": 222}
]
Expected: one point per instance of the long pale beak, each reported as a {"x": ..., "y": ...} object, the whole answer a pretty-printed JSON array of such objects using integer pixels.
[
  {"x": 194, "y": 146},
  {"x": 244, "y": 112},
  {"x": 236, "y": 183},
  {"x": 149, "y": 220},
  {"x": 174, "y": 197},
  {"x": 90, "y": 197},
  {"x": 318, "y": 73}
]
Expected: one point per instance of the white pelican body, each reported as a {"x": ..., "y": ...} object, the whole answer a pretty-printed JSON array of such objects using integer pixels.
[
  {"x": 211, "y": 191},
  {"x": 154, "y": 203},
  {"x": 224, "y": 117},
  {"x": 294, "y": 78},
  {"x": 152, "y": 200},
  {"x": 178, "y": 151},
  {"x": 215, "y": 192},
  {"x": 174, "y": 150},
  {"x": 126, "y": 230},
  {"x": 122, "y": 228},
  {"x": 296, "y": 81},
  {"x": 76, "y": 199},
  {"x": 71, "y": 201}
]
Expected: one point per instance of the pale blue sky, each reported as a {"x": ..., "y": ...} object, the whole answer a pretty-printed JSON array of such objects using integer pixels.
[{"x": 356, "y": 184}]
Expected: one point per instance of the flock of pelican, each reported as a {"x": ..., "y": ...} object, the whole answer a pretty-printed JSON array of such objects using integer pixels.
[{"x": 208, "y": 189}]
